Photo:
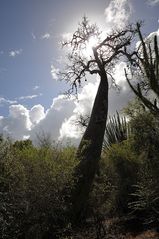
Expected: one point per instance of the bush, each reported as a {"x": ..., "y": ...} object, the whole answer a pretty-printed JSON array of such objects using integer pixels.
[
  {"x": 145, "y": 203},
  {"x": 118, "y": 174},
  {"x": 145, "y": 200},
  {"x": 35, "y": 187},
  {"x": 12, "y": 193}
]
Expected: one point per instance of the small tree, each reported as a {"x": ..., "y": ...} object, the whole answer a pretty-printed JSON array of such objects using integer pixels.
[{"x": 105, "y": 54}]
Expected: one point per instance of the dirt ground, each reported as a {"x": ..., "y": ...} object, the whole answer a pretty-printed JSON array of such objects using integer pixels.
[{"x": 112, "y": 229}]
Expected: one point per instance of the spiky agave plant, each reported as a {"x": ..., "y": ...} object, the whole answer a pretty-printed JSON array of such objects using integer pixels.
[{"x": 117, "y": 130}]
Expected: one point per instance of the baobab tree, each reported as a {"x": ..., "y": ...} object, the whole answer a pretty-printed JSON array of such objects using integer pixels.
[{"x": 92, "y": 53}]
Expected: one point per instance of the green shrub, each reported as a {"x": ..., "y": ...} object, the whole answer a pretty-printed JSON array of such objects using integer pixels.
[
  {"x": 12, "y": 193},
  {"x": 118, "y": 173},
  {"x": 35, "y": 188},
  {"x": 145, "y": 200}
]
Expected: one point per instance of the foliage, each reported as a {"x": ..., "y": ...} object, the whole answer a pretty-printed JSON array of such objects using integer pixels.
[
  {"x": 23, "y": 144},
  {"x": 145, "y": 203},
  {"x": 133, "y": 109},
  {"x": 12, "y": 189},
  {"x": 146, "y": 130},
  {"x": 118, "y": 173},
  {"x": 128, "y": 178},
  {"x": 35, "y": 184},
  {"x": 146, "y": 141},
  {"x": 117, "y": 130}
]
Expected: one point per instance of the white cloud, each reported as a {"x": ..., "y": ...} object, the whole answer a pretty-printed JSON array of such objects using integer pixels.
[
  {"x": 37, "y": 114},
  {"x": 54, "y": 72},
  {"x": 58, "y": 102},
  {"x": 69, "y": 128},
  {"x": 117, "y": 13},
  {"x": 117, "y": 100},
  {"x": 6, "y": 101},
  {"x": 15, "y": 53},
  {"x": 21, "y": 121},
  {"x": 28, "y": 97},
  {"x": 153, "y": 2},
  {"x": 150, "y": 38},
  {"x": 46, "y": 36},
  {"x": 60, "y": 119},
  {"x": 119, "y": 76},
  {"x": 60, "y": 110},
  {"x": 17, "y": 124}
]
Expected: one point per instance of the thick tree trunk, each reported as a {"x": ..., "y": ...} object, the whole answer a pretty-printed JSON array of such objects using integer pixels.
[{"x": 89, "y": 151}]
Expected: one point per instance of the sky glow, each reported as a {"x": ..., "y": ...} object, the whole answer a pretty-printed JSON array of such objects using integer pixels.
[
  {"x": 92, "y": 42},
  {"x": 31, "y": 93}
]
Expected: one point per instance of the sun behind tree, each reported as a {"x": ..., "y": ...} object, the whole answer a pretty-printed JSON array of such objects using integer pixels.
[
  {"x": 92, "y": 42},
  {"x": 104, "y": 55}
]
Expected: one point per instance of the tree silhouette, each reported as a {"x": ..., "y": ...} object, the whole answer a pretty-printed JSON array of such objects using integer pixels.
[
  {"x": 105, "y": 54},
  {"x": 144, "y": 66}
]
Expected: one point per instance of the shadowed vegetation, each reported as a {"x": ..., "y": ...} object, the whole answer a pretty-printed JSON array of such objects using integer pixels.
[{"x": 46, "y": 190}]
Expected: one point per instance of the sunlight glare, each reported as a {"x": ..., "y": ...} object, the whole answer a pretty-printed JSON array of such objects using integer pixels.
[{"x": 92, "y": 42}]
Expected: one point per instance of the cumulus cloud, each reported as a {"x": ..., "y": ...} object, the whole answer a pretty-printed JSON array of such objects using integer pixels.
[
  {"x": 15, "y": 53},
  {"x": 70, "y": 128},
  {"x": 37, "y": 114},
  {"x": 20, "y": 121},
  {"x": 60, "y": 110},
  {"x": 54, "y": 72},
  {"x": 117, "y": 13},
  {"x": 60, "y": 119},
  {"x": 117, "y": 100},
  {"x": 17, "y": 125}
]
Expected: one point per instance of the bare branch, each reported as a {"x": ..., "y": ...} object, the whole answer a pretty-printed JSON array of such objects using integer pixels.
[
  {"x": 144, "y": 65},
  {"x": 152, "y": 106},
  {"x": 105, "y": 53}
]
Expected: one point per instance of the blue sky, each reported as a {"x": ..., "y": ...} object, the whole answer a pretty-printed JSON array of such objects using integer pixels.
[{"x": 31, "y": 31}]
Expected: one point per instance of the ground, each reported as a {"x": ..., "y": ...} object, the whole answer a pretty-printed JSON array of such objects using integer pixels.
[{"x": 112, "y": 229}]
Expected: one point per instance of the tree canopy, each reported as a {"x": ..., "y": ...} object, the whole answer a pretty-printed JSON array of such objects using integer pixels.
[{"x": 106, "y": 50}]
